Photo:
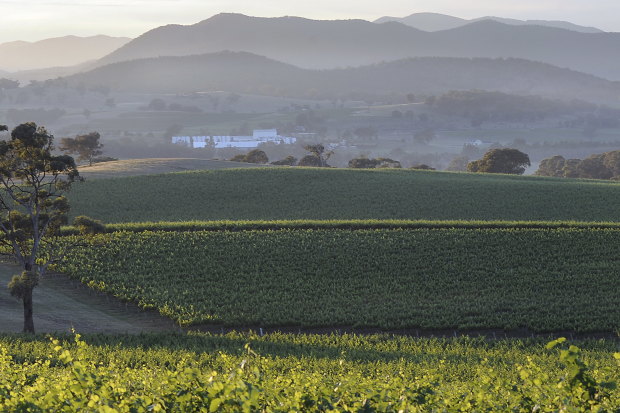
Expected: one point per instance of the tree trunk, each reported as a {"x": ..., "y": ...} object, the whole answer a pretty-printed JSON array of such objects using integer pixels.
[{"x": 28, "y": 321}]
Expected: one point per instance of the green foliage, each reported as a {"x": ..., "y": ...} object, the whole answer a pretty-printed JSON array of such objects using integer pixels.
[
  {"x": 185, "y": 226},
  {"x": 501, "y": 161},
  {"x": 417, "y": 278},
  {"x": 88, "y": 226},
  {"x": 276, "y": 373},
  {"x": 21, "y": 285},
  {"x": 327, "y": 193}
]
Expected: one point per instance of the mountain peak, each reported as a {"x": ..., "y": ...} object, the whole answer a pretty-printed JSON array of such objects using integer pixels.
[{"x": 432, "y": 22}]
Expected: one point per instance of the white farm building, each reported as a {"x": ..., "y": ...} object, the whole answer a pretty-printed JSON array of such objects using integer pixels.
[{"x": 218, "y": 142}]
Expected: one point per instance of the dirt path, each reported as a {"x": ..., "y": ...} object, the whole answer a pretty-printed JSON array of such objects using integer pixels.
[{"x": 61, "y": 304}]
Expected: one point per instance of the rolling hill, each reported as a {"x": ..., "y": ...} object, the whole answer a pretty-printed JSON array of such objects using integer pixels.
[
  {"x": 432, "y": 22},
  {"x": 248, "y": 73},
  {"x": 321, "y": 44},
  {"x": 316, "y": 193},
  {"x": 59, "y": 51}
]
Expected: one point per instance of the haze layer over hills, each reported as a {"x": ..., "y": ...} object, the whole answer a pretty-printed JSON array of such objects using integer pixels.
[
  {"x": 347, "y": 43},
  {"x": 432, "y": 22},
  {"x": 248, "y": 73},
  {"x": 59, "y": 51}
]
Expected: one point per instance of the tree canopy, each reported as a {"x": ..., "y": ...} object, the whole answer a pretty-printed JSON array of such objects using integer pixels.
[
  {"x": 501, "y": 161},
  {"x": 318, "y": 156},
  {"x": 254, "y": 156},
  {"x": 598, "y": 166},
  {"x": 85, "y": 146}
]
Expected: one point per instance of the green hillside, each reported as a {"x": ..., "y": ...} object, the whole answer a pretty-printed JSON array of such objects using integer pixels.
[
  {"x": 298, "y": 193},
  {"x": 538, "y": 279}
]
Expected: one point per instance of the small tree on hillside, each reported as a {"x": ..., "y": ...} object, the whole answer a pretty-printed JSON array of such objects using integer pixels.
[
  {"x": 501, "y": 161},
  {"x": 288, "y": 161},
  {"x": 318, "y": 156},
  {"x": 32, "y": 205},
  {"x": 85, "y": 146}
]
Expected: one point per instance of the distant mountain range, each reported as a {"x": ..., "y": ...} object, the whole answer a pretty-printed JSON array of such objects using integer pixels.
[
  {"x": 248, "y": 73},
  {"x": 59, "y": 51},
  {"x": 320, "y": 44},
  {"x": 433, "y": 22}
]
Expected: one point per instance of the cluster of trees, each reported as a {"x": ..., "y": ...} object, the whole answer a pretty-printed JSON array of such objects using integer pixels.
[
  {"x": 372, "y": 163},
  {"x": 254, "y": 156},
  {"x": 481, "y": 106},
  {"x": 598, "y": 166},
  {"x": 501, "y": 161},
  {"x": 317, "y": 157}
]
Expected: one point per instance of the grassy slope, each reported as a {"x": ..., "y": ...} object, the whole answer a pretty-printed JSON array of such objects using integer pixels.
[
  {"x": 150, "y": 166},
  {"x": 298, "y": 193}
]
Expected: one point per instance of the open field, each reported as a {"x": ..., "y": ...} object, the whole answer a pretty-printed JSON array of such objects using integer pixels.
[
  {"x": 150, "y": 166},
  {"x": 313, "y": 193},
  {"x": 530, "y": 280},
  {"x": 61, "y": 305},
  {"x": 303, "y": 373}
]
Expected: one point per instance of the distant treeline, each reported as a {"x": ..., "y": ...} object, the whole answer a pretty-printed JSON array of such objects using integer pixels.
[
  {"x": 598, "y": 166},
  {"x": 480, "y": 107}
]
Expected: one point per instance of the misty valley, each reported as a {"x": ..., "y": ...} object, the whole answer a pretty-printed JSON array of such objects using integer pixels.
[{"x": 283, "y": 214}]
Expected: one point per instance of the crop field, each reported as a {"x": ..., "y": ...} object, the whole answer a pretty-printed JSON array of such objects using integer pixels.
[
  {"x": 541, "y": 280},
  {"x": 313, "y": 193},
  {"x": 277, "y": 373}
]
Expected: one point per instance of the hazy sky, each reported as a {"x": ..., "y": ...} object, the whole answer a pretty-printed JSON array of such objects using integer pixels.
[{"x": 39, "y": 19}]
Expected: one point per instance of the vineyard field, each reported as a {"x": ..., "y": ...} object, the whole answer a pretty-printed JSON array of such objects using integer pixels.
[
  {"x": 322, "y": 194},
  {"x": 277, "y": 373},
  {"x": 541, "y": 280}
]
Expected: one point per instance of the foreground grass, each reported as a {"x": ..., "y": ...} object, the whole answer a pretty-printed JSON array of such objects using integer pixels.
[
  {"x": 279, "y": 372},
  {"x": 543, "y": 280},
  {"x": 312, "y": 193}
]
